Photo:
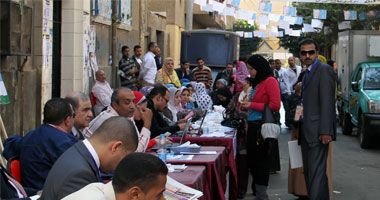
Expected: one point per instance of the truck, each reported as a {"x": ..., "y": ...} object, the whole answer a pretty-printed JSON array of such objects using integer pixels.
[
  {"x": 216, "y": 47},
  {"x": 358, "y": 60}
]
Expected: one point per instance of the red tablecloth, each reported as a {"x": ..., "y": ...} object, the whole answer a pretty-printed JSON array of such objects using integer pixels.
[
  {"x": 194, "y": 176},
  {"x": 215, "y": 170},
  {"x": 228, "y": 143}
]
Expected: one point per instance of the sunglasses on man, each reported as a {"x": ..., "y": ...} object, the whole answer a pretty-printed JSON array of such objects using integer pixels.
[{"x": 311, "y": 52}]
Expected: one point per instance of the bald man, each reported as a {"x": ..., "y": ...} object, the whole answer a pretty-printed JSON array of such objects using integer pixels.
[
  {"x": 81, "y": 164},
  {"x": 102, "y": 92}
]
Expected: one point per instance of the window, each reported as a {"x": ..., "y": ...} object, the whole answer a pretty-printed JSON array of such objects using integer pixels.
[{"x": 103, "y": 8}]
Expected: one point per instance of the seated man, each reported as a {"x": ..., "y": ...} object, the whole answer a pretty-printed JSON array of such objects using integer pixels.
[
  {"x": 157, "y": 101},
  {"x": 123, "y": 104},
  {"x": 138, "y": 176},
  {"x": 40, "y": 148},
  {"x": 11, "y": 189},
  {"x": 81, "y": 164},
  {"x": 83, "y": 114},
  {"x": 102, "y": 91}
]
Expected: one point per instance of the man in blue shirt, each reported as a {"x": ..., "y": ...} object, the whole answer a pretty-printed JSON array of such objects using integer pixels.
[{"x": 40, "y": 148}]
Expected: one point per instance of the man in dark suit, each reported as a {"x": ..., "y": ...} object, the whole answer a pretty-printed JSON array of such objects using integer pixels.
[
  {"x": 11, "y": 189},
  {"x": 40, "y": 148},
  {"x": 81, "y": 164},
  {"x": 318, "y": 123},
  {"x": 158, "y": 58},
  {"x": 184, "y": 71},
  {"x": 83, "y": 114}
]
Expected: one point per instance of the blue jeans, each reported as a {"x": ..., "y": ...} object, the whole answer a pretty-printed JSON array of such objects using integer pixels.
[{"x": 285, "y": 102}]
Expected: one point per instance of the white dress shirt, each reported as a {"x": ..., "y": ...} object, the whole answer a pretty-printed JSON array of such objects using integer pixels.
[
  {"x": 94, "y": 191},
  {"x": 281, "y": 80},
  {"x": 291, "y": 77},
  {"x": 149, "y": 69},
  {"x": 102, "y": 93},
  {"x": 92, "y": 151},
  {"x": 143, "y": 137}
]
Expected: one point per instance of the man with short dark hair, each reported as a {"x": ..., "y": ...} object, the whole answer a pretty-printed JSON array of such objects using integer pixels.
[
  {"x": 123, "y": 104},
  {"x": 157, "y": 101},
  {"x": 318, "y": 125},
  {"x": 202, "y": 73},
  {"x": 138, "y": 176},
  {"x": 184, "y": 71},
  {"x": 83, "y": 114},
  {"x": 226, "y": 75},
  {"x": 137, "y": 50},
  {"x": 40, "y": 148},
  {"x": 158, "y": 58},
  {"x": 81, "y": 164},
  {"x": 127, "y": 70},
  {"x": 149, "y": 69}
]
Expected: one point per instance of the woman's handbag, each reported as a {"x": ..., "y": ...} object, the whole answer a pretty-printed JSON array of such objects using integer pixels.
[{"x": 270, "y": 127}]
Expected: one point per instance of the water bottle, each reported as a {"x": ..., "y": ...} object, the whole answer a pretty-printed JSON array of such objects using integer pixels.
[{"x": 162, "y": 148}]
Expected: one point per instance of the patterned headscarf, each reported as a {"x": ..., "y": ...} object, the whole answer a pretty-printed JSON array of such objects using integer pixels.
[
  {"x": 241, "y": 71},
  {"x": 146, "y": 90},
  {"x": 203, "y": 99}
]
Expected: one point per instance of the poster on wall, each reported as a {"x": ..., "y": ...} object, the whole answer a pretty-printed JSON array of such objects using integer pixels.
[
  {"x": 4, "y": 99},
  {"x": 46, "y": 16},
  {"x": 45, "y": 50}
]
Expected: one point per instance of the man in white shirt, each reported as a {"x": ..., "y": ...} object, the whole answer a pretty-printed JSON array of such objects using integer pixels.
[
  {"x": 290, "y": 76},
  {"x": 283, "y": 86},
  {"x": 138, "y": 176},
  {"x": 102, "y": 92},
  {"x": 123, "y": 104},
  {"x": 149, "y": 69}
]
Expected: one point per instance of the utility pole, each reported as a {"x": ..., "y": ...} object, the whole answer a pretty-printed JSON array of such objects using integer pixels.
[
  {"x": 189, "y": 14},
  {"x": 114, "y": 42}
]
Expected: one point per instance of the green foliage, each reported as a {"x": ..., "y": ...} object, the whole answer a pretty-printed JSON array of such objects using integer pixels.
[
  {"x": 247, "y": 45},
  {"x": 334, "y": 16}
]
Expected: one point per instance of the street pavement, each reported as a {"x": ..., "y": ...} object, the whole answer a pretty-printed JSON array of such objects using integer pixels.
[{"x": 356, "y": 172}]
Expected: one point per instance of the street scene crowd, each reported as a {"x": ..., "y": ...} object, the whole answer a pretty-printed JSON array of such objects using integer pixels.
[{"x": 93, "y": 147}]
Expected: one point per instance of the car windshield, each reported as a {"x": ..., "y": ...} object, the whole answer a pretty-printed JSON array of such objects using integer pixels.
[{"x": 372, "y": 78}]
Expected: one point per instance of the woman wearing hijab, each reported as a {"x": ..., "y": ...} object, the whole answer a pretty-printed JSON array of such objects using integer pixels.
[
  {"x": 241, "y": 74},
  {"x": 265, "y": 90},
  {"x": 202, "y": 98},
  {"x": 146, "y": 90},
  {"x": 167, "y": 73},
  {"x": 223, "y": 96},
  {"x": 185, "y": 96},
  {"x": 173, "y": 106}
]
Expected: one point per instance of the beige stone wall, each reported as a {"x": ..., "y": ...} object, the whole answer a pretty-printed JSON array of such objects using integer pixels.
[
  {"x": 175, "y": 43},
  {"x": 23, "y": 82}
]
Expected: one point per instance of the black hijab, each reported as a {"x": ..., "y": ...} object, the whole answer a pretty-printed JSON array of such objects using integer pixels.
[{"x": 261, "y": 65}]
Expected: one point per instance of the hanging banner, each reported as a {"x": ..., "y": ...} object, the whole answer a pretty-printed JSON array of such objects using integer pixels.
[
  {"x": 367, "y": 2},
  {"x": 3, "y": 92}
]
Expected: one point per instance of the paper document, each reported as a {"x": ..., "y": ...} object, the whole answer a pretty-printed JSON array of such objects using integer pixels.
[
  {"x": 295, "y": 154},
  {"x": 175, "y": 190},
  {"x": 170, "y": 157},
  {"x": 200, "y": 153}
]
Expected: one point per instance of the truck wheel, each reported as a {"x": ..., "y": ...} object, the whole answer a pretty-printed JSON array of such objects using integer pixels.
[
  {"x": 346, "y": 124},
  {"x": 364, "y": 137}
]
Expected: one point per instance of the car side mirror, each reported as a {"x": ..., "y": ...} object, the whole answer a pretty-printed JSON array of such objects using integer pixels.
[{"x": 355, "y": 86}]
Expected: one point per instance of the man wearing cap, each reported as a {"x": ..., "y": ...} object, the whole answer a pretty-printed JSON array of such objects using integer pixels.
[{"x": 123, "y": 104}]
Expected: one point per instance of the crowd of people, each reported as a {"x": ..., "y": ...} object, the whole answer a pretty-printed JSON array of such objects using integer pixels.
[{"x": 77, "y": 149}]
